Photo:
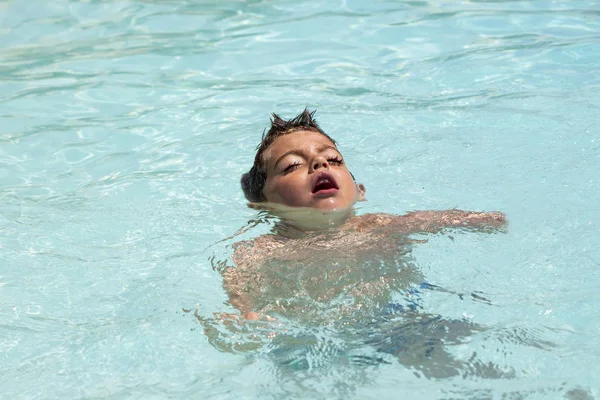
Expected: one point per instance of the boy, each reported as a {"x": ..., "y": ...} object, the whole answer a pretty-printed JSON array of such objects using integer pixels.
[{"x": 320, "y": 252}]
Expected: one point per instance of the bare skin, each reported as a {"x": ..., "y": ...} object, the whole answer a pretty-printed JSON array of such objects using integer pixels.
[
  {"x": 252, "y": 285},
  {"x": 321, "y": 250},
  {"x": 305, "y": 169}
]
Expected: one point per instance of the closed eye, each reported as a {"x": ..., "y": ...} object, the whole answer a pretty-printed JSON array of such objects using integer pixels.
[
  {"x": 335, "y": 160},
  {"x": 291, "y": 167}
]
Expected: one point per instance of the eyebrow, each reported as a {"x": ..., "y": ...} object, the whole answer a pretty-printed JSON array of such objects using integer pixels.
[{"x": 320, "y": 149}]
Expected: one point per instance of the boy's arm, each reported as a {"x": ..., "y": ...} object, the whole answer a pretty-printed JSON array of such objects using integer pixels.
[
  {"x": 243, "y": 281},
  {"x": 234, "y": 285},
  {"x": 435, "y": 221}
]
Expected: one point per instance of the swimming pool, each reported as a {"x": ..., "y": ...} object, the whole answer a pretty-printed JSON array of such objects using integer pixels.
[{"x": 125, "y": 126}]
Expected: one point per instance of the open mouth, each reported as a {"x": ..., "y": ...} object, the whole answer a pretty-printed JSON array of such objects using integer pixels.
[{"x": 324, "y": 183}]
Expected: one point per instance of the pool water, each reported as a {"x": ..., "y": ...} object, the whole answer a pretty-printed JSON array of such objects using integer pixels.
[{"x": 124, "y": 129}]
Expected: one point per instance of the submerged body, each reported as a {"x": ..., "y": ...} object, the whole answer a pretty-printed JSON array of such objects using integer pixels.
[
  {"x": 323, "y": 266},
  {"x": 352, "y": 293},
  {"x": 362, "y": 260},
  {"x": 320, "y": 250}
]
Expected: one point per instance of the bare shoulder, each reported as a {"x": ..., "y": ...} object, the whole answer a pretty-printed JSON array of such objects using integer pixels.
[
  {"x": 367, "y": 222},
  {"x": 241, "y": 280},
  {"x": 398, "y": 223},
  {"x": 255, "y": 250},
  {"x": 432, "y": 221}
]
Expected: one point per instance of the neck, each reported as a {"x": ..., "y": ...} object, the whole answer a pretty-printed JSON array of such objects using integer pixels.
[{"x": 298, "y": 221}]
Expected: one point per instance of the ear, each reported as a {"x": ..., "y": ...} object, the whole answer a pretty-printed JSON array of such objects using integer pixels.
[{"x": 361, "y": 191}]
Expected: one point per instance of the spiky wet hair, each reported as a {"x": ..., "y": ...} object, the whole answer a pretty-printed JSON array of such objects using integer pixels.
[{"x": 253, "y": 181}]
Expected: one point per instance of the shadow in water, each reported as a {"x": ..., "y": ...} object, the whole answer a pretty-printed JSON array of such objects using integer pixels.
[{"x": 419, "y": 342}]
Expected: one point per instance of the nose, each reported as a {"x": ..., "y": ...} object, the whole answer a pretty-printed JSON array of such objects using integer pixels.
[{"x": 320, "y": 162}]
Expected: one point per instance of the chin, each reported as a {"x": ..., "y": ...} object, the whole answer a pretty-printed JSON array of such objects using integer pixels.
[{"x": 333, "y": 205}]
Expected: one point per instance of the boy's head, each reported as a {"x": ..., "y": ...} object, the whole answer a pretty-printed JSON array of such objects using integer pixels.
[{"x": 299, "y": 165}]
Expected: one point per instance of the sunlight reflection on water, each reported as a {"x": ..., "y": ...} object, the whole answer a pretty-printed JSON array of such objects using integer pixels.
[{"x": 125, "y": 126}]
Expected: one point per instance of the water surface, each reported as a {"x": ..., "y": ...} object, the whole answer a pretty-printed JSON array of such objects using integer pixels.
[{"x": 124, "y": 128}]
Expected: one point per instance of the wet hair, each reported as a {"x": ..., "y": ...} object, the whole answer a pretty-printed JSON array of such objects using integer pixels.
[{"x": 253, "y": 181}]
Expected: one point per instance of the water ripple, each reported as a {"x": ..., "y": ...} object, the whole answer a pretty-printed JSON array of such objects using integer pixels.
[{"x": 125, "y": 126}]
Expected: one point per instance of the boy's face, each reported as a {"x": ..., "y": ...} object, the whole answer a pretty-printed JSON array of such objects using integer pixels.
[{"x": 305, "y": 169}]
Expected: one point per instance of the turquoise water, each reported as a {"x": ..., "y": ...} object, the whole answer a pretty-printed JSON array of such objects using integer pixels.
[{"x": 124, "y": 128}]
